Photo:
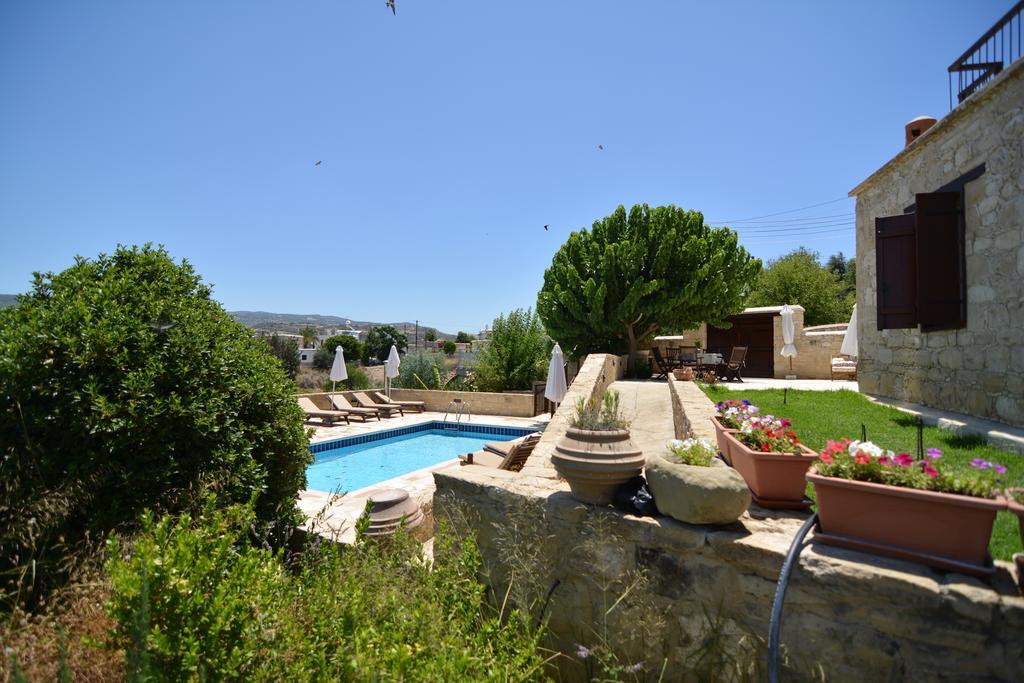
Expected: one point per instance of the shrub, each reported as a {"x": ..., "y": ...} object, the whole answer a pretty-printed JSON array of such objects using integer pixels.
[
  {"x": 449, "y": 348},
  {"x": 430, "y": 335},
  {"x": 124, "y": 385},
  {"x": 697, "y": 452},
  {"x": 357, "y": 379},
  {"x": 379, "y": 342},
  {"x": 463, "y": 338},
  {"x": 351, "y": 347},
  {"x": 193, "y": 601},
  {"x": 287, "y": 352},
  {"x": 515, "y": 355},
  {"x": 421, "y": 370}
]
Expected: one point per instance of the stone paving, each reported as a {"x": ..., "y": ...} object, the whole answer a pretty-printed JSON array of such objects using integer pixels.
[{"x": 333, "y": 515}]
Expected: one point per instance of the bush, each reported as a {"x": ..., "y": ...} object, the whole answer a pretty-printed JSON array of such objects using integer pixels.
[
  {"x": 379, "y": 342},
  {"x": 124, "y": 386},
  {"x": 430, "y": 335},
  {"x": 357, "y": 379},
  {"x": 324, "y": 356},
  {"x": 195, "y": 602},
  {"x": 515, "y": 356},
  {"x": 463, "y": 338},
  {"x": 287, "y": 352},
  {"x": 421, "y": 370},
  {"x": 449, "y": 348}
]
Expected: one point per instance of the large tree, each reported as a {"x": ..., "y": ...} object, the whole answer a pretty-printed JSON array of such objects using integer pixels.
[
  {"x": 800, "y": 278},
  {"x": 516, "y": 354},
  {"x": 613, "y": 286},
  {"x": 380, "y": 340}
]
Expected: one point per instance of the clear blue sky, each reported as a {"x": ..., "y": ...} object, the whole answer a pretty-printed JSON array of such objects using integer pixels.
[{"x": 449, "y": 134}]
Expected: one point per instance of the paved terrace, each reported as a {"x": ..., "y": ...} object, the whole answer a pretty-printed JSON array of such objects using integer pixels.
[{"x": 334, "y": 516}]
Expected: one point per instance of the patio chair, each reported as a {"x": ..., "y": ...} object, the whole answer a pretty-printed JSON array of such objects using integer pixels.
[
  {"x": 732, "y": 369},
  {"x": 842, "y": 364},
  {"x": 687, "y": 356},
  {"x": 341, "y": 403},
  {"x": 328, "y": 417},
  {"x": 418, "y": 406},
  {"x": 513, "y": 461},
  {"x": 367, "y": 402},
  {"x": 663, "y": 366}
]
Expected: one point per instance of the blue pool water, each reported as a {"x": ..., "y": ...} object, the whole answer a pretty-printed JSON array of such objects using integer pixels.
[{"x": 351, "y": 467}]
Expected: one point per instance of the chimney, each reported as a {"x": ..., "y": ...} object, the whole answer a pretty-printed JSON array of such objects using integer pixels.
[{"x": 917, "y": 127}]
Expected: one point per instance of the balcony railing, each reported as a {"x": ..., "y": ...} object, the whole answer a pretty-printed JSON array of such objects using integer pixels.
[{"x": 993, "y": 52}]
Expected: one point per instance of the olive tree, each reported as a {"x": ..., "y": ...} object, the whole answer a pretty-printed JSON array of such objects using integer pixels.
[{"x": 613, "y": 286}]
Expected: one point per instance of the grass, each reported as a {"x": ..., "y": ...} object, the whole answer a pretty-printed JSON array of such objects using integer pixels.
[{"x": 822, "y": 415}]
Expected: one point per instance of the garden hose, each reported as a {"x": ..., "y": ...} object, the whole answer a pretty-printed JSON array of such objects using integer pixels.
[{"x": 775, "y": 625}]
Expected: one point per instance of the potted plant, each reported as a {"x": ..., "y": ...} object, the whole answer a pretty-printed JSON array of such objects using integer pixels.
[
  {"x": 683, "y": 374},
  {"x": 690, "y": 484},
  {"x": 596, "y": 455},
  {"x": 727, "y": 418},
  {"x": 871, "y": 499},
  {"x": 772, "y": 461}
]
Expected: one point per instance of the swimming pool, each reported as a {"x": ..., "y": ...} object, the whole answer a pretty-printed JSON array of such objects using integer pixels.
[{"x": 356, "y": 461}]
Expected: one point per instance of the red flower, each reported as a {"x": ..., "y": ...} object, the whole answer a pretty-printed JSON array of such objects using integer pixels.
[
  {"x": 904, "y": 459},
  {"x": 930, "y": 471},
  {"x": 764, "y": 447},
  {"x": 862, "y": 458},
  {"x": 825, "y": 457}
]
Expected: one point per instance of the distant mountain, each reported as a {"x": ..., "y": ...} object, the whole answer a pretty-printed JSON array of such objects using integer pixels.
[
  {"x": 292, "y": 322},
  {"x": 8, "y": 300}
]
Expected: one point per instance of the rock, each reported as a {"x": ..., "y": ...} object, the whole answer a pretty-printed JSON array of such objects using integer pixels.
[{"x": 697, "y": 495}]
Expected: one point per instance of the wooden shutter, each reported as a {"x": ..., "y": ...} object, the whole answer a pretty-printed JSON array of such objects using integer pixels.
[
  {"x": 941, "y": 285},
  {"x": 896, "y": 271}
]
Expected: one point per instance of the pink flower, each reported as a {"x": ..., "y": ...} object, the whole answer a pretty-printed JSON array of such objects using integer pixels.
[
  {"x": 999, "y": 468},
  {"x": 825, "y": 457},
  {"x": 885, "y": 460},
  {"x": 904, "y": 459},
  {"x": 929, "y": 470},
  {"x": 933, "y": 453},
  {"x": 785, "y": 422},
  {"x": 862, "y": 458}
]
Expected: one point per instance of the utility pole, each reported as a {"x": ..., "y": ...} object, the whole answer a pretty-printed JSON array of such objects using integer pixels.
[{"x": 416, "y": 343}]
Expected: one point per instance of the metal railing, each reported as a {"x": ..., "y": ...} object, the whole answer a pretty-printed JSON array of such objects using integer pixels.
[{"x": 993, "y": 52}]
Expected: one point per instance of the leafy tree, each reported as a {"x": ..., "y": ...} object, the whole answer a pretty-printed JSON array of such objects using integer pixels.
[
  {"x": 324, "y": 356},
  {"x": 430, "y": 335},
  {"x": 613, "y": 286},
  {"x": 449, "y": 348},
  {"x": 516, "y": 354},
  {"x": 421, "y": 370},
  {"x": 837, "y": 264},
  {"x": 125, "y": 386},
  {"x": 799, "y": 278},
  {"x": 379, "y": 341},
  {"x": 463, "y": 338},
  {"x": 287, "y": 351},
  {"x": 309, "y": 334}
]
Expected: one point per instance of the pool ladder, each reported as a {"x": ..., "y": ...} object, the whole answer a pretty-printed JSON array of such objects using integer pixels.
[{"x": 459, "y": 408}]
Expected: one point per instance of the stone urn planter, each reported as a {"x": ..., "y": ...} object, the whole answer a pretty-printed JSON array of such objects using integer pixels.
[
  {"x": 697, "y": 495},
  {"x": 596, "y": 462},
  {"x": 720, "y": 431},
  {"x": 942, "y": 530},
  {"x": 683, "y": 374},
  {"x": 776, "y": 480},
  {"x": 389, "y": 508}
]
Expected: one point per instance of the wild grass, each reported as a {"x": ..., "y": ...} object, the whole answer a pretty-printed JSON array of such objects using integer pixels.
[{"x": 819, "y": 416}]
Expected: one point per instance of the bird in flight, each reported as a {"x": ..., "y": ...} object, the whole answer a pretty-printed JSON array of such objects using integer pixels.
[
  {"x": 318, "y": 162},
  {"x": 545, "y": 227},
  {"x": 391, "y": 4},
  {"x": 601, "y": 147}
]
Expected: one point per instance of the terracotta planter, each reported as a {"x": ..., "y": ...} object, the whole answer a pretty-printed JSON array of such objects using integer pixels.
[
  {"x": 683, "y": 374},
  {"x": 596, "y": 462},
  {"x": 723, "y": 445},
  {"x": 776, "y": 480},
  {"x": 941, "y": 530}
]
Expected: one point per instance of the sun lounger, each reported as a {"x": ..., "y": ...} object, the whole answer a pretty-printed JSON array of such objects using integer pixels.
[
  {"x": 513, "y": 461},
  {"x": 367, "y": 402},
  {"x": 503, "y": 447},
  {"x": 418, "y": 406},
  {"x": 341, "y": 403},
  {"x": 329, "y": 417}
]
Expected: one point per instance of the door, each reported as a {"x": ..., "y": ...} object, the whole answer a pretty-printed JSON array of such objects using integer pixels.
[{"x": 756, "y": 332}]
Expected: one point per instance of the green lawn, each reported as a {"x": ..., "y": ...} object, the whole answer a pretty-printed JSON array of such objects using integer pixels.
[{"x": 821, "y": 415}]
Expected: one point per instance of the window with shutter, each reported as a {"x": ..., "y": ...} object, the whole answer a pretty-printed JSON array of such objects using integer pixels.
[
  {"x": 941, "y": 281},
  {"x": 896, "y": 271}
]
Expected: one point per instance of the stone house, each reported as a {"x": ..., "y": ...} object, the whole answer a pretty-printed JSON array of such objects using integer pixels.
[{"x": 940, "y": 290}]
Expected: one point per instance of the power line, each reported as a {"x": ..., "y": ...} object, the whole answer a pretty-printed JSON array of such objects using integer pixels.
[
  {"x": 795, "y": 228},
  {"x": 779, "y": 213},
  {"x": 796, "y": 234},
  {"x": 806, "y": 219}
]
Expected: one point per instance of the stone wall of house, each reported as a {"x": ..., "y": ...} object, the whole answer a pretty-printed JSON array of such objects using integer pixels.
[
  {"x": 978, "y": 370},
  {"x": 847, "y": 615}
]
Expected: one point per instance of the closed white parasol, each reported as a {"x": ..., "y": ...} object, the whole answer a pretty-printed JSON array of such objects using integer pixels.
[
  {"x": 339, "y": 372},
  {"x": 788, "y": 336},
  {"x": 391, "y": 366},
  {"x": 849, "y": 346},
  {"x": 555, "y": 389}
]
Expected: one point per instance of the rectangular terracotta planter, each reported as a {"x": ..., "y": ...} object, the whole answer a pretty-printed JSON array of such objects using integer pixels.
[
  {"x": 723, "y": 445},
  {"x": 776, "y": 480},
  {"x": 942, "y": 530}
]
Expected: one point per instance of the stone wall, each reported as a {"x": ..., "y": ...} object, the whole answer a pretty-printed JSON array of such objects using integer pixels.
[
  {"x": 978, "y": 370},
  {"x": 848, "y": 615}
]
